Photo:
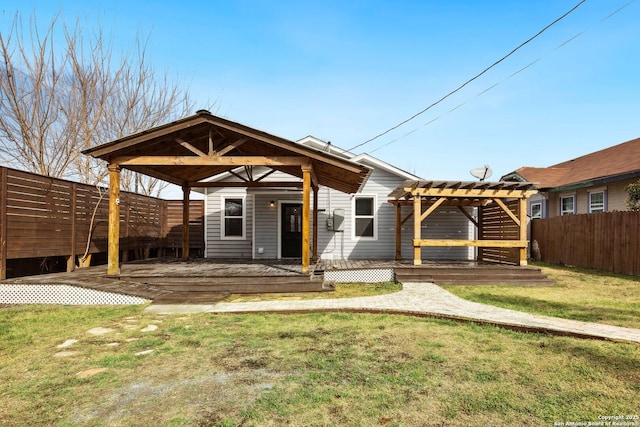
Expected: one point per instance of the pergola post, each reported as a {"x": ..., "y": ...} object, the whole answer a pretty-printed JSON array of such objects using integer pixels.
[
  {"x": 417, "y": 229},
  {"x": 185, "y": 222},
  {"x": 398, "y": 232},
  {"x": 306, "y": 202},
  {"x": 113, "y": 263},
  {"x": 314, "y": 256},
  {"x": 523, "y": 229}
]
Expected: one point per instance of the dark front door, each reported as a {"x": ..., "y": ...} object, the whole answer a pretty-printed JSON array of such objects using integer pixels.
[{"x": 291, "y": 230}]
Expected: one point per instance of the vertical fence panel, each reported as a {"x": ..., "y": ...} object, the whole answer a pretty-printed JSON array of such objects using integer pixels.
[{"x": 605, "y": 241}]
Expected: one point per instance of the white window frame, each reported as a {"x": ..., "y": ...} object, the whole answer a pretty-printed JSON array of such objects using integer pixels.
[
  {"x": 604, "y": 202},
  {"x": 223, "y": 216},
  {"x": 573, "y": 208},
  {"x": 539, "y": 204},
  {"x": 354, "y": 217}
]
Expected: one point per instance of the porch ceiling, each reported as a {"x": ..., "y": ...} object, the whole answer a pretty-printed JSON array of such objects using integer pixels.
[{"x": 202, "y": 146}]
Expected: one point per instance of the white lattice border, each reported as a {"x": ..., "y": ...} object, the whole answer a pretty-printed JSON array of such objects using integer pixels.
[
  {"x": 374, "y": 275},
  {"x": 63, "y": 294}
]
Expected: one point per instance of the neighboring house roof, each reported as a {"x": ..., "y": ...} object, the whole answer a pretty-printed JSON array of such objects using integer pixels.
[{"x": 614, "y": 163}]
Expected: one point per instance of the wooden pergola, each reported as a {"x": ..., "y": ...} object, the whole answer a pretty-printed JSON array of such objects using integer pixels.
[
  {"x": 189, "y": 151},
  {"x": 426, "y": 196}
]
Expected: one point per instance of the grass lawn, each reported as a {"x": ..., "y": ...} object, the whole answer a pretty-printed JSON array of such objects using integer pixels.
[
  {"x": 302, "y": 370},
  {"x": 579, "y": 294},
  {"x": 342, "y": 290}
]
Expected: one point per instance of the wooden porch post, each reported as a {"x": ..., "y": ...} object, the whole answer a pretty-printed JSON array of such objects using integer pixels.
[
  {"x": 113, "y": 263},
  {"x": 417, "y": 229},
  {"x": 523, "y": 229},
  {"x": 314, "y": 257},
  {"x": 398, "y": 231},
  {"x": 306, "y": 196},
  {"x": 185, "y": 222}
]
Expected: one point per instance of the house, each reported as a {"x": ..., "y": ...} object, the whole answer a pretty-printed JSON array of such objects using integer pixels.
[
  {"x": 268, "y": 197},
  {"x": 591, "y": 183},
  {"x": 265, "y": 222}
]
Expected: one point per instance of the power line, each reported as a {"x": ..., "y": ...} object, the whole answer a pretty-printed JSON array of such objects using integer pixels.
[
  {"x": 493, "y": 86},
  {"x": 471, "y": 79}
]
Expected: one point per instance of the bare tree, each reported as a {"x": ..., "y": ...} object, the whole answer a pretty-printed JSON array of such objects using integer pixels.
[{"x": 59, "y": 98}]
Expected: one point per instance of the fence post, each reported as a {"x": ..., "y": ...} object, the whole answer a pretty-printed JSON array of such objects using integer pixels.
[
  {"x": 163, "y": 227},
  {"x": 71, "y": 262},
  {"x": 3, "y": 223}
]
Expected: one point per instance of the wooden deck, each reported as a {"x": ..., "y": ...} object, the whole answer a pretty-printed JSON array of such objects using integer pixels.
[{"x": 169, "y": 280}]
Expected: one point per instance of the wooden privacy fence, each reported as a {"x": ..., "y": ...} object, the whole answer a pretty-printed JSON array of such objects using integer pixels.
[
  {"x": 48, "y": 217},
  {"x": 606, "y": 241}
]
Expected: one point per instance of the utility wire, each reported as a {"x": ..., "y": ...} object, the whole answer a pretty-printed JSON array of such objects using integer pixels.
[
  {"x": 471, "y": 79},
  {"x": 493, "y": 86}
]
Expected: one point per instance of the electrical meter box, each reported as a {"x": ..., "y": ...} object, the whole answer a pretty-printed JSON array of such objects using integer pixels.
[
  {"x": 338, "y": 220},
  {"x": 330, "y": 223}
]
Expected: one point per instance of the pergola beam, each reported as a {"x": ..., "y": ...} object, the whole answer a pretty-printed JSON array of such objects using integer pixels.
[
  {"x": 477, "y": 243},
  {"x": 468, "y": 193}
]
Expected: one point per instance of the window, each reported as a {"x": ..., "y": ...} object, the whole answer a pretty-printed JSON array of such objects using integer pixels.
[
  {"x": 567, "y": 205},
  {"x": 596, "y": 202},
  {"x": 232, "y": 218},
  {"x": 536, "y": 210},
  {"x": 364, "y": 219}
]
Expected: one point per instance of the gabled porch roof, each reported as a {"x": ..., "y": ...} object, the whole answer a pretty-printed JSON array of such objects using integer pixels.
[{"x": 192, "y": 149}]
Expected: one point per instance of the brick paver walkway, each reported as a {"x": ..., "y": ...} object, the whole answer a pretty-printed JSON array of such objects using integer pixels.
[{"x": 427, "y": 299}]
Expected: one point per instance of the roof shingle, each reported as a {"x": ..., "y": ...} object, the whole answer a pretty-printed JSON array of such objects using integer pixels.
[{"x": 617, "y": 160}]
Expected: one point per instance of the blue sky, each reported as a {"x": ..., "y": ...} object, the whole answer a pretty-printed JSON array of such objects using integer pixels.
[{"x": 345, "y": 71}]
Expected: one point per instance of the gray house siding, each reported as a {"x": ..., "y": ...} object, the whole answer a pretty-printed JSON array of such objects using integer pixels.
[
  {"x": 262, "y": 229},
  {"x": 215, "y": 245}
]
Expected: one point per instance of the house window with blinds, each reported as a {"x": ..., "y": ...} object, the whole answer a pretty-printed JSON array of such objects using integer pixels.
[
  {"x": 567, "y": 205},
  {"x": 596, "y": 202},
  {"x": 365, "y": 224},
  {"x": 233, "y": 218}
]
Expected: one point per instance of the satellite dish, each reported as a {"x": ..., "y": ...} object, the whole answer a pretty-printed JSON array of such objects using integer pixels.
[{"x": 482, "y": 173}]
